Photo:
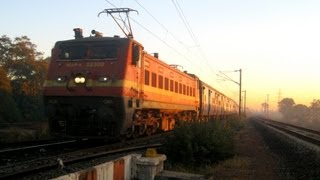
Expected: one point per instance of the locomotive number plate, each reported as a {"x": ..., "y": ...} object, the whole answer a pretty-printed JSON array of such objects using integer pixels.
[{"x": 95, "y": 64}]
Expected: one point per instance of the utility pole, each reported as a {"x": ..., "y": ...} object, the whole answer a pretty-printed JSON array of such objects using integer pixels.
[
  {"x": 244, "y": 103},
  {"x": 264, "y": 107},
  {"x": 240, "y": 84}
]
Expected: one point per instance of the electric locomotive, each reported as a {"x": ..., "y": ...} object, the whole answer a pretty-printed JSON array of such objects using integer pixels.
[{"x": 110, "y": 87}]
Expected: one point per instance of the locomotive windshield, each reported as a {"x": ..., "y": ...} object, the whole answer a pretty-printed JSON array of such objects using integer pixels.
[{"x": 72, "y": 51}]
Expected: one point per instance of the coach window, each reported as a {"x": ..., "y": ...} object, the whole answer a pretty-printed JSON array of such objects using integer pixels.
[
  {"x": 180, "y": 88},
  {"x": 213, "y": 96},
  {"x": 171, "y": 85},
  {"x": 193, "y": 92},
  {"x": 166, "y": 83},
  {"x": 154, "y": 80},
  {"x": 160, "y": 82},
  {"x": 176, "y": 87},
  {"x": 184, "y": 89},
  {"x": 146, "y": 77},
  {"x": 187, "y": 90}
]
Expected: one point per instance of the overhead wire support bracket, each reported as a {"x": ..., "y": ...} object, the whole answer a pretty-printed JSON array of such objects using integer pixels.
[{"x": 126, "y": 28}]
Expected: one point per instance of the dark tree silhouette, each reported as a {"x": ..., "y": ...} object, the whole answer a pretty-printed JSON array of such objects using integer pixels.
[
  {"x": 26, "y": 69},
  {"x": 286, "y": 108},
  {"x": 314, "y": 116},
  {"x": 300, "y": 114},
  {"x": 8, "y": 108}
]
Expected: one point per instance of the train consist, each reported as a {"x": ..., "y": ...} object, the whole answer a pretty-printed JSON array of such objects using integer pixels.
[{"x": 110, "y": 87}]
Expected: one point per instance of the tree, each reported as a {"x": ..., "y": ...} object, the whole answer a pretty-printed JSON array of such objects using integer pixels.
[
  {"x": 7, "y": 102},
  {"x": 5, "y": 52},
  {"x": 286, "y": 108},
  {"x": 314, "y": 115},
  {"x": 300, "y": 113},
  {"x": 5, "y": 85},
  {"x": 26, "y": 69}
]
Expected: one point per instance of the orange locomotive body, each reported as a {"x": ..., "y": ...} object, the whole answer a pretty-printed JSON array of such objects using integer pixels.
[
  {"x": 169, "y": 92},
  {"x": 109, "y": 87}
]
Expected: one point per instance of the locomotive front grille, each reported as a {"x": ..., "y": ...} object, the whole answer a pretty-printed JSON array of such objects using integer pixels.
[{"x": 88, "y": 117}]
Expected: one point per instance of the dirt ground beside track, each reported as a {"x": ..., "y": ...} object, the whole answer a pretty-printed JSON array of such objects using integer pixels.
[{"x": 253, "y": 159}]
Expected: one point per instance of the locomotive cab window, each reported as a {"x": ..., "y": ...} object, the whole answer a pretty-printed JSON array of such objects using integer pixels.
[
  {"x": 73, "y": 52},
  {"x": 77, "y": 51},
  {"x": 102, "y": 52}
]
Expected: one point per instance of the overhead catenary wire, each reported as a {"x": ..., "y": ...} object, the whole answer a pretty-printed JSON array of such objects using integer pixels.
[
  {"x": 156, "y": 36},
  {"x": 189, "y": 29},
  {"x": 192, "y": 35},
  {"x": 185, "y": 22},
  {"x": 110, "y": 3},
  {"x": 156, "y": 20}
]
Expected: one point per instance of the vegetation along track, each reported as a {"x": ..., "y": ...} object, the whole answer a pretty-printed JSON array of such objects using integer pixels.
[
  {"x": 47, "y": 163},
  {"x": 296, "y": 149}
]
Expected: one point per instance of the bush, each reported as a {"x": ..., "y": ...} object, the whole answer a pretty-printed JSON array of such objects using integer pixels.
[
  {"x": 200, "y": 144},
  {"x": 9, "y": 111},
  {"x": 235, "y": 124}
]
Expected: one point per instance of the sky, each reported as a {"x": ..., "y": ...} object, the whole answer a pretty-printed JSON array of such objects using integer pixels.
[{"x": 276, "y": 43}]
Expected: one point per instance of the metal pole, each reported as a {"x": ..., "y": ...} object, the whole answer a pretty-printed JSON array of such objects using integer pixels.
[
  {"x": 240, "y": 83},
  {"x": 245, "y": 99}
]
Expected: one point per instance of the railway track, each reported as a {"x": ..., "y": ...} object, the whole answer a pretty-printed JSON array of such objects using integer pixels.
[
  {"x": 308, "y": 137},
  {"x": 11, "y": 147},
  {"x": 25, "y": 151},
  {"x": 59, "y": 161}
]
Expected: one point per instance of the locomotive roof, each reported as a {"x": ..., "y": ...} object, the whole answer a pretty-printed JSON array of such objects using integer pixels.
[{"x": 97, "y": 39}]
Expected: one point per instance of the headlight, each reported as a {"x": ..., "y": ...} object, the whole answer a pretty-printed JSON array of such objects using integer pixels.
[
  {"x": 103, "y": 79},
  {"x": 79, "y": 80},
  {"x": 61, "y": 79}
]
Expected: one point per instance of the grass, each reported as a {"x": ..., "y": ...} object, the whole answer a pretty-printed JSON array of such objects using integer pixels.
[
  {"x": 201, "y": 148},
  {"x": 236, "y": 162}
]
